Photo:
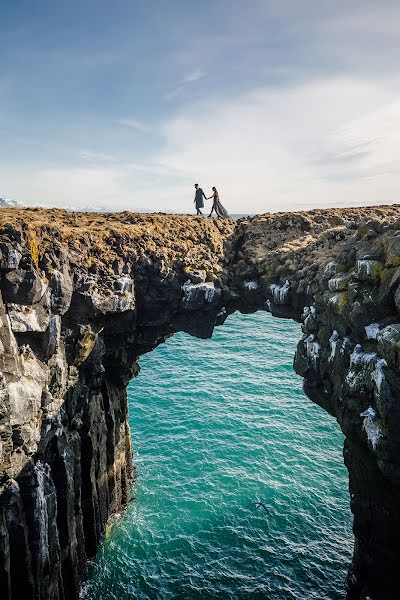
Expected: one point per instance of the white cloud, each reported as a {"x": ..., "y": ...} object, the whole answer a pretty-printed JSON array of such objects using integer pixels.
[
  {"x": 121, "y": 187},
  {"x": 132, "y": 123},
  {"x": 191, "y": 77},
  {"x": 328, "y": 142},
  {"x": 321, "y": 143}
]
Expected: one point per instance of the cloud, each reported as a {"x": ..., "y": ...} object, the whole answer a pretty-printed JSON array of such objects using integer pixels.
[
  {"x": 117, "y": 187},
  {"x": 133, "y": 124},
  {"x": 327, "y": 142},
  {"x": 76, "y": 186},
  {"x": 191, "y": 77},
  {"x": 318, "y": 143}
]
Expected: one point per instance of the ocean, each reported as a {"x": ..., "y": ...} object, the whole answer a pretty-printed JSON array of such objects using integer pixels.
[{"x": 218, "y": 425}]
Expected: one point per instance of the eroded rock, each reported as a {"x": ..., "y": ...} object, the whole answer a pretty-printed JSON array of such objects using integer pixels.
[{"x": 84, "y": 296}]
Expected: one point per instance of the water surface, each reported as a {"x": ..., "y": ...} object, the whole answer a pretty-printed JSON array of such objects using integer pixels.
[{"x": 217, "y": 425}]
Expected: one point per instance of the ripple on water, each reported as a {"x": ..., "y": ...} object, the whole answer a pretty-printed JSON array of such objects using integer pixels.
[{"x": 216, "y": 425}]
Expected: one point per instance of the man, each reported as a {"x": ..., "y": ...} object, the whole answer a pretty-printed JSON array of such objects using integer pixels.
[{"x": 198, "y": 199}]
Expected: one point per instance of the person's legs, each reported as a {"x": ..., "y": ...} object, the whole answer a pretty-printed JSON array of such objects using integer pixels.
[
  {"x": 199, "y": 211},
  {"x": 212, "y": 210}
]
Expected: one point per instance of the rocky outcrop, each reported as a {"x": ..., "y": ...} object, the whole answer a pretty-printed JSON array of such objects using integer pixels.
[
  {"x": 339, "y": 273},
  {"x": 83, "y": 296}
]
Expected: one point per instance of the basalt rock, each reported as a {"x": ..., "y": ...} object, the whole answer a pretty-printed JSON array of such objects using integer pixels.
[
  {"x": 345, "y": 291},
  {"x": 83, "y": 296}
]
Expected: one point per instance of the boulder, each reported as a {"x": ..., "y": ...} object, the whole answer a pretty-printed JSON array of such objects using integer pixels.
[
  {"x": 9, "y": 352},
  {"x": 195, "y": 275},
  {"x": 392, "y": 250},
  {"x": 10, "y": 256},
  {"x": 200, "y": 295},
  {"x": 389, "y": 344},
  {"x": 61, "y": 287},
  {"x": 23, "y": 287},
  {"x": 24, "y": 318},
  {"x": 368, "y": 270}
]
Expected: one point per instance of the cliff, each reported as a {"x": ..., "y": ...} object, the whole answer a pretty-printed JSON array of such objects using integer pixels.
[{"x": 83, "y": 296}]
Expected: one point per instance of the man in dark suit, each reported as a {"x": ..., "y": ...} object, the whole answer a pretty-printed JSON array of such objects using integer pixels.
[{"x": 198, "y": 199}]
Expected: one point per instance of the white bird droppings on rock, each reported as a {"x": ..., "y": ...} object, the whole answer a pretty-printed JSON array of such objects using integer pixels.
[
  {"x": 373, "y": 432},
  {"x": 330, "y": 268},
  {"x": 333, "y": 340},
  {"x": 312, "y": 347},
  {"x": 370, "y": 414},
  {"x": 378, "y": 375},
  {"x": 372, "y": 331},
  {"x": 280, "y": 293},
  {"x": 361, "y": 358},
  {"x": 251, "y": 285}
]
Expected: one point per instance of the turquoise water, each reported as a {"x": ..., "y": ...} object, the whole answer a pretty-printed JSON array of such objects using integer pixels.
[{"x": 217, "y": 425}]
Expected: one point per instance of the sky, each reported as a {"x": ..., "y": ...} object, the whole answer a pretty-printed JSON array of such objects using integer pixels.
[{"x": 124, "y": 105}]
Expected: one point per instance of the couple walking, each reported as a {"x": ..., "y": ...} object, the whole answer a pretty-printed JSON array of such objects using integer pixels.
[{"x": 217, "y": 206}]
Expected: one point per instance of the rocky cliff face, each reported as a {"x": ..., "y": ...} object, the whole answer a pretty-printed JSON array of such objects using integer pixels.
[
  {"x": 339, "y": 273},
  {"x": 83, "y": 296}
]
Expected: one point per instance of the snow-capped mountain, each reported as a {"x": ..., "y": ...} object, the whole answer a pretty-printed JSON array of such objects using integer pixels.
[{"x": 7, "y": 202}]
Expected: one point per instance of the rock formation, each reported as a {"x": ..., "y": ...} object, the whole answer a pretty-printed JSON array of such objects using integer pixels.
[{"x": 84, "y": 295}]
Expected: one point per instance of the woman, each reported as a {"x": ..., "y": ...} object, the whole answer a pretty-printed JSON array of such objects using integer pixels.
[{"x": 217, "y": 206}]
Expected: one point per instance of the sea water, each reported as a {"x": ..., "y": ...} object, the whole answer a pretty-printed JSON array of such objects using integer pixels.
[{"x": 218, "y": 425}]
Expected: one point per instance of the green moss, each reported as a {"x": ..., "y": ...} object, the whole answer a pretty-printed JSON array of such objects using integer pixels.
[
  {"x": 392, "y": 251},
  {"x": 340, "y": 302}
]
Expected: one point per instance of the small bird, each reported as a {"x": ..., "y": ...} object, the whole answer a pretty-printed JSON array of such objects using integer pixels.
[
  {"x": 335, "y": 336},
  {"x": 260, "y": 504}
]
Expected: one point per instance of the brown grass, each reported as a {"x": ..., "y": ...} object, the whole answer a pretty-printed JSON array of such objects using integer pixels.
[{"x": 96, "y": 240}]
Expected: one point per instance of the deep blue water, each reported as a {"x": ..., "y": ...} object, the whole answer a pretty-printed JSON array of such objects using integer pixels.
[{"x": 217, "y": 425}]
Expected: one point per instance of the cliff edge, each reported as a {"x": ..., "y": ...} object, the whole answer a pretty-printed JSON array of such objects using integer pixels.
[{"x": 84, "y": 295}]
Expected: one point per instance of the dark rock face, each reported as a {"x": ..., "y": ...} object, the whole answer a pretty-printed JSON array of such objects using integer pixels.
[
  {"x": 72, "y": 326},
  {"x": 349, "y": 358},
  {"x": 70, "y": 337}
]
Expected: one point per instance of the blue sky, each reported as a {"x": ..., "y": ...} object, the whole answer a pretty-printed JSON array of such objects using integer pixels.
[{"x": 126, "y": 104}]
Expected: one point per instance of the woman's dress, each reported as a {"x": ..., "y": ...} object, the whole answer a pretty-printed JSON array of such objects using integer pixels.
[{"x": 219, "y": 209}]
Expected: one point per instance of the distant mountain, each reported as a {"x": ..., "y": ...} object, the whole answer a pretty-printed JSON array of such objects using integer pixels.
[{"x": 7, "y": 202}]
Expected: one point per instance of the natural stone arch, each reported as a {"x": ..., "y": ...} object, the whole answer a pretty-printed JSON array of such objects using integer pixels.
[{"x": 83, "y": 296}]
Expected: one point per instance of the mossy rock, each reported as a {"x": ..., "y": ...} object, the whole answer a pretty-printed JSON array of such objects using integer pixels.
[
  {"x": 392, "y": 251},
  {"x": 339, "y": 302},
  {"x": 369, "y": 270},
  {"x": 389, "y": 344},
  {"x": 365, "y": 230},
  {"x": 211, "y": 276},
  {"x": 86, "y": 345},
  {"x": 195, "y": 275},
  {"x": 340, "y": 282}
]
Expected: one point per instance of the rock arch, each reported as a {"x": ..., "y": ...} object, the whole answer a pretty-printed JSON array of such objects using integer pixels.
[{"x": 83, "y": 296}]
